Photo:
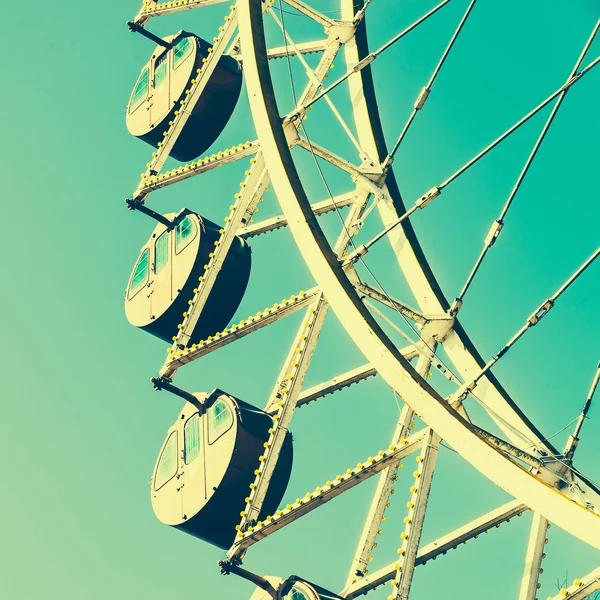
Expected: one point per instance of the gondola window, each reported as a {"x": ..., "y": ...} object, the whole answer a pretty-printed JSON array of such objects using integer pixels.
[
  {"x": 161, "y": 252},
  {"x": 167, "y": 465},
  {"x": 140, "y": 274},
  {"x": 182, "y": 50},
  {"x": 220, "y": 420},
  {"x": 192, "y": 442},
  {"x": 140, "y": 92},
  {"x": 186, "y": 230},
  {"x": 160, "y": 70}
]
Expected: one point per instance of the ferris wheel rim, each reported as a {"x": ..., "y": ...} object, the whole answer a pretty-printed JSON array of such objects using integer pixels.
[{"x": 358, "y": 322}]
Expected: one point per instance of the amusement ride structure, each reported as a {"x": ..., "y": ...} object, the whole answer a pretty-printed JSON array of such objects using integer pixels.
[{"x": 223, "y": 469}]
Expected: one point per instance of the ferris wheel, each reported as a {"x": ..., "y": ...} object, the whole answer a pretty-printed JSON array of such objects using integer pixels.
[{"x": 224, "y": 466}]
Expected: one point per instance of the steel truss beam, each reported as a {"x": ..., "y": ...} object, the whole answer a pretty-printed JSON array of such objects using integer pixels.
[
  {"x": 397, "y": 305},
  {"x": 257, "y": 179},
  {"x": 284, "y": 398},
  {"x": 413, "y": 263},
  {"x": 533, "y": 560},
  {"x": 152, "y": 8},
  {"x": 242, "y": 329},
  {"x": 332, "y": 489},
  {"x": 450, "y": 541},
  {"x": 417, "y": 507},
  {"x": 358, "y": 322},
  {"x": 319, "y": 208},
  {"x": 208, "y": 163},
  {"x": 381, "y": 497},
  {"x": 241, "y": 213},
  {"x": 283, "y": 51}
]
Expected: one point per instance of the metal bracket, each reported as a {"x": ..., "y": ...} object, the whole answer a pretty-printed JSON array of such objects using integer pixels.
[{"x": 136, "y": 28}]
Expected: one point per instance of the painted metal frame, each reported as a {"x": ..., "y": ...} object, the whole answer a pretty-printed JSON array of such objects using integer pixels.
[{"x": 506, "y": 463}]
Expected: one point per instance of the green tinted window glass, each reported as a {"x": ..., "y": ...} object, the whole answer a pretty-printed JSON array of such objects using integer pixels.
[
  {"x": 186, "y": 230},
  {"x": 140, "y": 274},
  {"x": 191, "y": 438},
  {"x": 161, "y": 252},
  {"x": 182, "y": 50},
  {"x": 140, "y": 92},
  {"x": 296, "y": 594},
  {"x": 220, "y": 419},
  {"x": 167, "y": 464},
  {"x": 160, "y": 73}
]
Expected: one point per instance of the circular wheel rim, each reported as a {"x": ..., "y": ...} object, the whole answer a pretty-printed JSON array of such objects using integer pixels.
[{"x": 360, "y": 324}]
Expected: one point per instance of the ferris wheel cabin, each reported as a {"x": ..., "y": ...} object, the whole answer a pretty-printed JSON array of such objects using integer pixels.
[
  {"x": 168, "y": 270},
  {"x": 162, "y": 85},
  {"x": 207, "y": 463}
]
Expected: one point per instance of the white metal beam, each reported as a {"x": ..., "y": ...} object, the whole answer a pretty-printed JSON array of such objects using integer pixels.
[
  {"x": 533, "y": 560},
  {"x": 360, "y": 325},
  {"x": 322, "y": 495},
  {"x": 319, "y": 208},
  {"x": 151, "y": 8},
  {"x": 208, "y": 163},
  {"x": 240, "y": 330},
  {"x": 450, "y": 541},
  {"x": 382, "y": 493}
]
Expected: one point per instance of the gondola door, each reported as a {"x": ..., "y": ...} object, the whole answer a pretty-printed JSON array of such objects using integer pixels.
[
  {"x": 160, "y": 87},
  {"x": 194, "y": 467},
  {"x": 161, "y": 274},
  {"x": 167, "y": 481}
]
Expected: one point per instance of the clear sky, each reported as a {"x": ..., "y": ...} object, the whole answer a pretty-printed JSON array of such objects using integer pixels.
[{"x": 80, "y": 425}]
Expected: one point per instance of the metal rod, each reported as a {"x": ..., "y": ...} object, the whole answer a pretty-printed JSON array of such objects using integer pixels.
[
  {"x": 435, "y": 192},
  {"x": 534, "y": 319},
  {"x": 499, "y": 223},
  {"x": 133, "y": 205},
  {"x": 574, "y": 437},
  {"x": 526, "y": 118},
  {"x": 309, "y": 12},
  {"x": 148, "y": 34},
  {"x": 162, "y": 384},
  {"x": 425, "y": 92},
  {"x": 371, "y": 57},
  {"x": 228, "y": 567}
]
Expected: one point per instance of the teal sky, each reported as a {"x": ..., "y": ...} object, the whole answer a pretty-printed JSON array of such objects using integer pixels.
[{"x": 80, "y": 425}]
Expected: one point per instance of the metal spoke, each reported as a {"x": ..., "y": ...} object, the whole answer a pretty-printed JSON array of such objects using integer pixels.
[
  {"x": 499, "y": 222},
  {"x": 432, "y": 194},
  {"x": 574, "y": 437},
  {"x": 534, "y": 319},
  {"x": 424, "y": 94},
  {"x": 316, "y": 80},
  {"x": 309, "y": 11},
  {"x": 371, "y": 57},
  {"x": 527, "y": 466}
]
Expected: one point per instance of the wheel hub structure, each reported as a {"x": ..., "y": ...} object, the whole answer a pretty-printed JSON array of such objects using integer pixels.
[{"x": 423, "y": 354}]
